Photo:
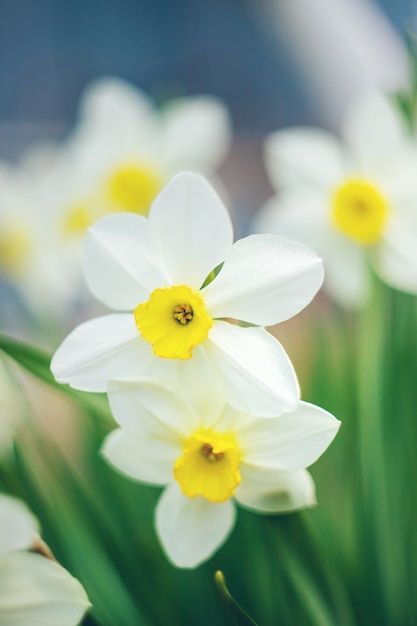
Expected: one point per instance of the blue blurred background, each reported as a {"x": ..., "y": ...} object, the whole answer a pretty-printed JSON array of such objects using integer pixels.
[
  {"x": 50, "y": 50},
  {"x": 274, "y": 63}
]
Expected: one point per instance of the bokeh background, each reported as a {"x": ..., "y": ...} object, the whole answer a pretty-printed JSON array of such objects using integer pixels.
[{"x": 274, "y": 63}]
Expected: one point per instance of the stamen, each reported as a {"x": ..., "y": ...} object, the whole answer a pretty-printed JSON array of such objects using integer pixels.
[
  {"x": 183, "y": 313},
  {"x": 207, "y": 452}
]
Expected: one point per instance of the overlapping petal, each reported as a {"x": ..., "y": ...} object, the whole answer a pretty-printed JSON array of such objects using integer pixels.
[
  {"x": 18, "y": 527},
  {"x": 297, "y": 215},
  {"x": 35, "y": 590},
  {"x": 192, "y": 529},
  {"x": 103, "y": 348},
  {"x": 120, "y": 264},
  {"x": 149, "y": 459},
  {"x": 272, "y": 491},
  {"x": 292, "y": 441},
  {"x": 193, "y": 229},
  {"x": 265, "y": 279},
  {"x": 255, "y": 371},
  {"x": 151, "y": 408}
]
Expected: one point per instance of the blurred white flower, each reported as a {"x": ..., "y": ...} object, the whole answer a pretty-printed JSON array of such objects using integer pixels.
[
  {"x": 340, "y": 48},
  {"x": 33, "y": 589},
  {"x": 354, "y": 203},
  {"x": 124, "y": 150},
  {"x": 156, "y": 269},
  {"x": 121, "y": 153},
  {"x": 207, "y": 453}
]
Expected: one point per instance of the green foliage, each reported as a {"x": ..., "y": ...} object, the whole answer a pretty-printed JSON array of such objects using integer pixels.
[{"x": 352, "y": 560}]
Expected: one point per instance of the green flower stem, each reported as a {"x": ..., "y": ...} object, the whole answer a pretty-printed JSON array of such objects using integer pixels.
[{"x": 284, "y": 575}]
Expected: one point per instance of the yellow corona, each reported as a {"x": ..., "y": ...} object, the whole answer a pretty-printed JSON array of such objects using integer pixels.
[
  {"x": 209, "y": 466},
  {"x": 359, "y": 211},
  {"x": 173, "y": 320}
]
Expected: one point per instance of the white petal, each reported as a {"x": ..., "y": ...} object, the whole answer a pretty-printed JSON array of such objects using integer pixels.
[
  {"x": 148, "y": 459},
  {"x": 305, "y": 217},
  {"x": 151, "y": 407},
  {"x": 255, "y": 371},
  {"x": 114, "y": 107},
  {"x": 199, "y": 386},
  {"x": 396, "y": 259},
  {"x": 302, "y": 216},
  {"x": 303, "y": 157},
  {"x": 35, "y": 590},
  {"x": 347, "y": 277},
  {"x": 18, "y": 527},
  {"x": 196, "y": 134},
  {"x": 103, "y": 348},
  {"x": 265, "y": 279},
  {"x": 272, "y": 491},
  {"x": 120, "y": 264},
  {"x": 192, "y": 529},
  {"x": 292, "y": 441},
  {"x": 193, "y": 228},
  {"x": 375, "y": 132}
]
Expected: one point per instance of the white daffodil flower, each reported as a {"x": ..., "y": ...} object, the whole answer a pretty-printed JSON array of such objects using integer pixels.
[
  {"x": 33, "y": 589},
  {"x": 208, "y": 454},
  {"x": 157, "y": 269},
  {"x": 124, "y": 150},
  {"x": 352, "y": 202},
  {"x": 120, "y": 154}
]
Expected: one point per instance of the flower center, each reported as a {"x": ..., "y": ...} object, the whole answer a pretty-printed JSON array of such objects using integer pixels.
[
  {"x": 359, "y": 211},
  {"x": 77, "y": 219},
  {"x": 133, "y": 187},
  {"x": 209, "y": 466},
  {"x": 183, "y": 313},
  {"x": 173, "y": 320},
  {"x": 15, "y": 246}
]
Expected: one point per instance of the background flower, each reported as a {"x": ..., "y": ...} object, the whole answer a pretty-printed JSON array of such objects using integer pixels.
[
  {"x": 354, "y": 203},
  {"x": 119, "y": 155},
  {"x": 32, "y": 587}
]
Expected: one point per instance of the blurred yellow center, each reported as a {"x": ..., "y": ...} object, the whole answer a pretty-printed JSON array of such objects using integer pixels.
[
  {"x": 209, "y": 466},
  {"x": 359, "y": 211},
  {"x": 77, "y": 219},
  {"x": 173, "y": 320},
  {"x": 133, "y": 187},
  {"x": 15, "y": 246}
]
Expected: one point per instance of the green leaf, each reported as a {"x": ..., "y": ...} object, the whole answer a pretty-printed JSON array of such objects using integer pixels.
[{"x": 37, "y": 362}]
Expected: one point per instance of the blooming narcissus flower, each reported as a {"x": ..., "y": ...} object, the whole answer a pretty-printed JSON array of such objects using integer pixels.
[
  {"x": 33, "y": 589},
  {"x": 354, "y": 203},
  {"x": 124, "y": 150},
  {"x": 208, "y": 454},
  {"x": 161, "y": 272}
]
